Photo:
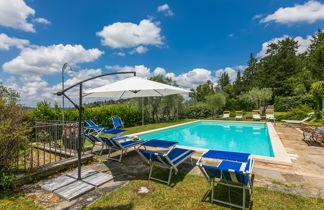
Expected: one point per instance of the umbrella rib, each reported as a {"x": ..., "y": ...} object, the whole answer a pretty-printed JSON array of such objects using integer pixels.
[
  {"x": 86, "y": 94},
  {"x": 158, "y": 92},
  {"x": 122, "y": 95}
]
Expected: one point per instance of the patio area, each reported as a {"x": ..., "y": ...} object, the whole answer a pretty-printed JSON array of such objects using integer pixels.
[{"x": 304, "y": 177}]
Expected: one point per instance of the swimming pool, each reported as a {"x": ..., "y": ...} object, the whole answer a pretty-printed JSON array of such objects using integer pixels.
[{"x": 219, "y": 135}]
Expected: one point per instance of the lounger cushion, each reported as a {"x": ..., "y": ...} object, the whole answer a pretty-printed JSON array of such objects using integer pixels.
[
  {"x": 127, "y": 144},
  {"x": 113, "y": 131},
  {"x": 107, "y": 141},
  {"x": 95, "y": 127},
  {"x": 224, "y": 155},
  {"x": 160, "y": 143},
  {"x": 176, "y": 156},
  {"x": 119, "y": 137},
  {"x": 89, "y": 137},
  {"x": 117, "y": 122},
  {"x": 231, "y": 174}
]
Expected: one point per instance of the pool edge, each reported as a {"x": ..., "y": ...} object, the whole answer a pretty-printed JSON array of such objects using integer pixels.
[{"x": 280, "y": 155}]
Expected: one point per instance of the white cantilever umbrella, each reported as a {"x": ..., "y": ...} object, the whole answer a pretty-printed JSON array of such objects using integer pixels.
[{"x": 134, "y": 87}]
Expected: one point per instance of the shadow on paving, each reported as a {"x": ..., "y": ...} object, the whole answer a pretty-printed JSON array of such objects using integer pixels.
[{"x": 313, "y": 143}]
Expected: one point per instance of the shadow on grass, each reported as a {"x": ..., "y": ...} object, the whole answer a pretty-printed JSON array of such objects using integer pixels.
[
  {"x": 119, "y": 207},
  {"x": 133, "y": 167},
  {"x": 228, "y": 194}
]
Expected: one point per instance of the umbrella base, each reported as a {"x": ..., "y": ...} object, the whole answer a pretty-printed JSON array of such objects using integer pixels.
[{"x": 68, "y": 187}]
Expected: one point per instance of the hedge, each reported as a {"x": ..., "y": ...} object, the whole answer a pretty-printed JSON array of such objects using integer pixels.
[
  {"x": 130, "y": 115},
  {"x": 284, "y": 104}
]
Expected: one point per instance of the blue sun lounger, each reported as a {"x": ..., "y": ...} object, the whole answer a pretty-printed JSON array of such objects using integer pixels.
[
  {"x": 169, "y": 160},
  {"x": 232, "y": 169},
  {"x": 98, "y": 130},
  {"x": 117, "y": 122},
  {"x": 92, "y": 138},
  {"x": 93, "y": 127},
  {"x": 115, "y": 144}
]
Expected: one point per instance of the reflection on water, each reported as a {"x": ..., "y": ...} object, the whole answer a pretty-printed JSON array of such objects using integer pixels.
[{"x": 239, "y": 137}]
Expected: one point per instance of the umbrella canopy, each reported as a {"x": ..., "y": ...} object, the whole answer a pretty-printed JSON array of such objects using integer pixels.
[{"x": 134, "y": 87}]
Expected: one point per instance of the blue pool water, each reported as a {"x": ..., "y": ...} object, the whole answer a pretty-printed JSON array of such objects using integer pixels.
[{"x": 226, "y": 136}]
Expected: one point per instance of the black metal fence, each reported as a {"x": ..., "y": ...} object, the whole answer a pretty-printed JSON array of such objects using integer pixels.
[{"x": 51, "y": 141}]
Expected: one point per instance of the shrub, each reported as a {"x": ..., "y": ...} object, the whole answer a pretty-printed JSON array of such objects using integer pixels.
[
  {"x": 298, "y": 113},
  {"x": 200, "y": 110},
  {"x": 233, "y": 104},
  {"x": 318, "y": 94},
  {"x": 6, "y": 181},
  {"x": 100, "y": 115},
  {"x": 284, "y": 104},
  {"x": 13, "y": 130}
]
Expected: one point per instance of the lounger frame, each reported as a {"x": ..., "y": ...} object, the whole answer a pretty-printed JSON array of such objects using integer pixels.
[
  {"x": 96, "y": 131},
  {"x": 214, "y": 181},
  {"x": 171, "y": 167},
  {"x": 114, "y": 146}
]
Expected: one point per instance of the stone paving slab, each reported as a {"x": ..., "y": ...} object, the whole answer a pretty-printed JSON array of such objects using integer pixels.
[
  {"x": 98, "y": 179},
  {"x": 68, "y": 187},
  {"x": 57, "y": 183},
  {"x": 85, "y": 172},
  {"x": 74, "y": 190}
]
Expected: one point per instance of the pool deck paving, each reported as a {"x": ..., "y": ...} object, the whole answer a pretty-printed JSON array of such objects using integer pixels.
[{"x": 304, "y": 177}]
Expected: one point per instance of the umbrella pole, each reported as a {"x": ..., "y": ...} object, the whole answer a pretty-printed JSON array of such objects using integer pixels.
[
  {"x": 142, "y": 110},
  {"x": 79, "y": 134}
]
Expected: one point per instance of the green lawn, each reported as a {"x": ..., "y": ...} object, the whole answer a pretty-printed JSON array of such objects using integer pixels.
[
  {"x": 17, "y": 200},
  {"x": 192, "y": 192}
]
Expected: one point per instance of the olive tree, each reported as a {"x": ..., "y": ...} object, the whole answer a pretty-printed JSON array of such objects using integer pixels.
[
  {"x": 13, "y": 129},
  {"x": 258, "y": 97},
  {"x": 216, "y": 102}
]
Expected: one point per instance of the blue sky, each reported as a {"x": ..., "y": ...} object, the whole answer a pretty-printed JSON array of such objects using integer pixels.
[{"x": 190, "y": 41}]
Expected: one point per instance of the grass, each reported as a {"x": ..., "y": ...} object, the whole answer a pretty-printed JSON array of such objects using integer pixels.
[
  {"x": 192, "y": 192},
  {"x": 17, "y": 200}
]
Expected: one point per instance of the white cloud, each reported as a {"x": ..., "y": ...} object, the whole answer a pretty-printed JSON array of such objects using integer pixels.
[
  {"x": 165, "y": 8},
  {"x": 41, "y": 20},
  {"x": 256, "y": 17},
  {"x": 6, "y": 42},
  {"x": 124, "y": 35},
  {"x": 34, "y": 88},
  {"x": 193, "y": 78},
  {"x": 141, "y": 49},
  {"x": 159, "y": 71},
  {"x": 229, "y": 70},
  {"x": 170, "y": 75},
  {"x": 303, "y": 44},
  {"x": 120, "y": 53},
  {"x": 240, "y": 67},
  {"x": 231, "y": 35},
  {"x": 309, "y": 12},
  {"x": 49, "y": 60},
  {"x": 14, "y": 14},
  {"x": 141, "y": 70}
]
